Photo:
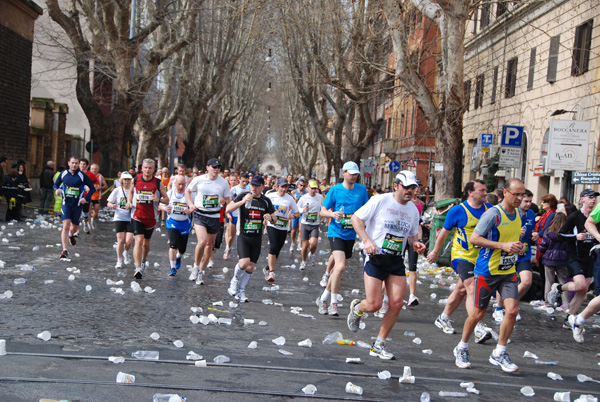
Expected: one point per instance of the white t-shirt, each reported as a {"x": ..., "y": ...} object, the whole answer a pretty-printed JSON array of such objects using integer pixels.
[
  {"x": 282, "y": 206},
  {"x": 178, "y": 203},
  {"x": 119, "y": 196},
  {"x": 314, "y": 208},
  {"x": 235, "y": 191},
  {"x": 388, "y": 223},
  {"x": 208, "y": 193}
]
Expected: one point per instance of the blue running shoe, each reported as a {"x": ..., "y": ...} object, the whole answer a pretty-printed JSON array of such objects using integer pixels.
[
  {"x": 178, "y": 263},
  {"x": 173, "y": 272}
]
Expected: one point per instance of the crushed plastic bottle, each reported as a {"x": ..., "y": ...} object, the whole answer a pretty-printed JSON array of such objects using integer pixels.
[
  {"x": 116, "y": 359},
  {"x": 427, "y": 351},
  {"x": 425, "y": 397},
  {"x": 167, "y": 398},
  {"x": 363, "y": 345},
  {"x": 20, "y": 281},
  {"x": 178, "y": 343},
  {"x": 191, "y": 355},
  {"x": 310, "y": 389},
  {"x": 145, "y": 355},
  {"x": 528, "y": 391},
  {"x": 285, "y": 352},
  {"x": 554, "y": 376},
  {"x": 453, "y": 394},
  {"x": 333, "y": 338},
  {"x": 280, "y": 341},
  {"x": 529, "y": 354},
  {"x": 546, "y": 363},
  {"x": 384, "y": 375},
  {"x": 25, "y": 267},
  {"x": 417, "y": 341},
  {"x": 221, "y": 359},
  {"x": 409, "y": 333},
  {"x": 35, "y": 248}
]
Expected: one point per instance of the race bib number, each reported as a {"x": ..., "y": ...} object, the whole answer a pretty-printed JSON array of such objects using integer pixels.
[
  {"x": 210, "y": 201},
  {"x": 507, "y": 260},
  {"x": 312, "y": 218},
  {"x": 281, "y": 222},
  {"x": 392, "y": 244},
  {"x": 346, "y": 221},
  {"x": 252, "y": 226},
  {"x": 72, "y": 192},
  {"x": 178, "y": 208},
  {"x": 122, "y": 203},
  {"x": 144, "y": 197}
]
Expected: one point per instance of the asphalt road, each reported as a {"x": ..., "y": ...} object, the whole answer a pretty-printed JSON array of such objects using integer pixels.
[{"x": 89, "y": 326}]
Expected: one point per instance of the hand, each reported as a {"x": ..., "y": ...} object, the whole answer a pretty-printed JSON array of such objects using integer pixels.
[
  {"x": 221, "y": 201},
  {"x": 267, "y": 217},
  {"x": 581, "y": 236},
  {"x": 370, "y": 247},
  {"x": 419, "y": 247},
  {"x": 58, "y": 192},
  {"x": 112, "y": 206},
  {"x": 513, "y": 247},
  {"x": 523, "y": 230},
  {"x": 248, "y": 197},
  {"x": 193, "y": 208},
  {"x": 432, "y": 256},
  {"x": 305, "y": 210},
  {"x": 337, "y": 215},
  {"x": 82, "y": 201},
  {"x": 128, "y": 205},
  {"x": 535, "y": 236},
  {"x": 168, "y": 208},
  {"x": 155, "y": 198}
]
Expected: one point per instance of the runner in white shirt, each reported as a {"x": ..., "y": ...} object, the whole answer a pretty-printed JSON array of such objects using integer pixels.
[
  {"x": 236, "y": 189},
  {"x": 386, "y": 224},
  {"x": 179, "y": 223},
  {"x": 310, "y": 206},
  {"x": 285, "y": 209},
  {"x": 117, "y": 200},
  {"x": 212, "y": 192}
]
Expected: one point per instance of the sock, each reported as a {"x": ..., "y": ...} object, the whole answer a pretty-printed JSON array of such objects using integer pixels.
[
  {"x": 325, "y": 295},
  {"x": 379, "y": 341},
  {"x": 138, "y": 267},
  {"x": 444, "y": 316},
  {"x": 119, "y": 260},
  {"x": 579, "y": 320},
  {"x": 500, "y": 349},
  {"x": 64, "y": 249},
  {"x": 386, "y": 299},
  {"x": 357, "y": 311},
  {"x": 238, "y": 271},
  {"x": 499, "y": 308},
  {"x": 334, "y": 298},
  {"x": 143, "y": 260},
  {"x": 173, "y": 263},
  {"x": 196, "y": 267},
  {"x": 178, "y": 255},
  {"x": 463, "y": 345},
  {"x": 244, "y": 280}
]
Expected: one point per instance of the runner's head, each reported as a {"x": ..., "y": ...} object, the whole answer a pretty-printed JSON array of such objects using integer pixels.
[
  {"x": 588, "y": 198},
  {"x": 165, "y": 171},
  {"x": 475, "y": 192},
  {"x": 405, "y": 184},
  {"x": 350, "y": 171},
  {"x": 514, "y": 191},
  {"x": 244, "y": 180},
  {"x": 148, "y": 168},
  {"x": 73, "y": 164},
  {"x": 257, "y": 185},
  {"x": 312, "y": 187},
  {"x": 83, "y": 164},
  {"x": 282, "y": 186},
  {"x": 301, "y": 185},
  {"x": 95, "y": 168},
  {"x": 180, "y": 184},
  {"x": 213, "y": 167},
  {"x": 181, "y": 169},
  {"x": 125, "y": 180},
  {"x": 527, "y": 200}
]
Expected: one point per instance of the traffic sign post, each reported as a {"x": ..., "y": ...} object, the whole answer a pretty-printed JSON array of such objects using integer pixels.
[
  {"x": 411, "y": 163},
  {"x": 512, "y": 136},
  {"x": 485, "y": 140},
  {"x": 394, "y": 166},
  {"x": 585, "y": 178}
]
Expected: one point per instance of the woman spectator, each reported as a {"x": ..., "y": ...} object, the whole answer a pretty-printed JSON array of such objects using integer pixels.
[
  {"x": 554, "y": 257},
  {"x": 23, "y": 196},
  {"x": 549, "y": 204}
]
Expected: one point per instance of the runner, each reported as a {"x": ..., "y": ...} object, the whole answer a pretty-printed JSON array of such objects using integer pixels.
[
  {"x": 83, "y": 166},
  {"x": 100, "y": 186},
  {"x": 255, "y": 209},
  {"x": 285, "y": 209},
  {"x": 237, "y": 188},
  {"x": 413, "y": 256},
  {"x": 212, "y": 191},
  {"x": 144, "y": 196},
  {"x": 181, "y": 171},
  {"x": 117, "y": 200},
  {"x": 311, "y": 207},
  {"x": 497, "y": 233},
  {"x": 462, "y": 219},
  {"x": 297, "y": 193},
  {"x": 341, "y": 202},
  {"x": 70, "y": 186},
  {"x": 385, "y": 224},
  {"x": 166, "y": 179},
  {"x": 179, "y": 223}
]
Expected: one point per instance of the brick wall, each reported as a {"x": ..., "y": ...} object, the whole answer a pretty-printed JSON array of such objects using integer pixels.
[{"x": 15, "y": 89}]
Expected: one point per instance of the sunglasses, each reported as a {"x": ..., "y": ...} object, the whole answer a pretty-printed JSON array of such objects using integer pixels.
[{"x": 411, "y": 187}]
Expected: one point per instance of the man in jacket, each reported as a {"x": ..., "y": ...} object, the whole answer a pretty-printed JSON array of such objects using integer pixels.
[{"x": 46, "y": 188}]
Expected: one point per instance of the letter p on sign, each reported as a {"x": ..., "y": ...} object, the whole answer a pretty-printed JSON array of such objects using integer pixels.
[{"x": 512, "y": 136}]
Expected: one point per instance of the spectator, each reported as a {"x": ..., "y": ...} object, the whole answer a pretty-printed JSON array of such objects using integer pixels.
[
  {"x": 23, "y": 196},
  {"x": 46, "y": 190},
  {"x": 563, "y": 200},
  {"x": 549, "y": 204},
  {"x": 3, "y": 171},
  {"x": 554, "y": 257},
  {"x": 11, "y": 191}
]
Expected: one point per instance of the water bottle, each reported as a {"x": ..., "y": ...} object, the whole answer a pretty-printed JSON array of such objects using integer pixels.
[
  {"x": 342, "y": 211},
  {"x": 363, "y": 345},
  {"x": 332, "y": 338},
  {"x": 19, "y": 281},
  {"x": 346, "y": 342},
  {"x": 248, "y": 204},
  {"x": 167, "y": 398},
  {"x": 145, "y": 355},
  {"x": 425, "y": 397},
  {"x": 453, "y": 394}
]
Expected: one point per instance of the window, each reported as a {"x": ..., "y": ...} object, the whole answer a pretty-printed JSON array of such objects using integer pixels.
[
  {"x": 388, "y": 133},
  {"x": 485, "y": 14},
  {"x": 581, "y": 48},
  {"x": 475, "y": 15},
  {"x": 531, "y": 69},
  {"x": 511, "y": 78},
  {"x": 494, "y": 85},
  {"x": 553, "y": 58},
  {"x": 467, "y": 94},
  {"x": 501, "y": 8},
  {"x": 479, "y": 81}
]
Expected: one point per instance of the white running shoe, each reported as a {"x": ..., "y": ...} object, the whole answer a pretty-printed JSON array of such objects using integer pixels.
[
  {"x": 299, "y": 247},
  {"x": 126, "y": 258},
  {"x": 322, "y": 305},
  {"x": 233, "y": 286},
  {"x": 413, "y": 301},
  {"x": 577, "y": 329},
  {"x": 93, "y": 224},
  {"x": 444, "y": 325},
  {"x": 292, "y": 247},
  {"x": 200, "y": 278},
  {"x": 194, "y": 274},
  {"x": 210, "y": 264},
  {"x": 498, "y": 315},
  {"x": 311, "y": 258},
  {"x": 503, "y": 361},
  {"x": 324, "y": 280},
  {"x": 302, "y": 266},
  {"x": 241, "y": 296},
  {"x": 119, "y": 264},
  {"x": 226, "y": 254},
  {"x": 138, "y": 272},
  {"x": 333, "y": 309},
  {"x": 462, "y": 358}
]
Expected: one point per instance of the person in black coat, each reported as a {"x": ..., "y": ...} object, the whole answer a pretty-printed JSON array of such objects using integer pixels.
[
  {"x": 11, "y": 193},
  {"x": 46, "y": 188}
]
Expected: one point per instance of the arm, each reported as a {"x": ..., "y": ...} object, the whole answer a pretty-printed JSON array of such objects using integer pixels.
[
  {"x": 360, "y": 229},
  {"x": 129, "y": 198},
  {"x": 164, "y": 197},
  {"x": 88, "y": 182},
  {"x": 590, "y": 226},
  {"x": 188, "y": 198},
  {"x": 439, "y": 242},
  {"x": 232, "y": 206},
  {"x": 513, "y": 247},
  {"x": 565, "y": 233}
]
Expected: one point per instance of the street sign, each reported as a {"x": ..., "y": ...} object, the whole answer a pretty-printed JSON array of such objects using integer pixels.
[
  {"x": 512, "y": 136},
  {"x": 411, "y": 163},
  {"x": 439, "y": 167},
  {"x": 394, "y": 166},
  {"x": 509, "y": 157},
  {"x": 585, "y": 178},
  {"x": 485, "y": 140},
  {"x": 568, "y": 144}
]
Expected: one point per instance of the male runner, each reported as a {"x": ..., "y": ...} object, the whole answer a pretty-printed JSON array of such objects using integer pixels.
[
  {"x": 236, "y": 189},
  {"x": 384, "y": 224},
  {"x": 310, "y": 204},
  {"x": 143, "y": 195},
  {"x": 462, "y": 219},
  {"x": 100, "y": 185},
  {"x": 70, "y": 185},
  {"x": 497, "y": 233},
  {"x": 255, "y": 209},
  {"x": 297, "y": 193},
  {"x": 341, "y": 202},
  {"x": 212, "y": 191},
  {"x": 83, "y": 166}
]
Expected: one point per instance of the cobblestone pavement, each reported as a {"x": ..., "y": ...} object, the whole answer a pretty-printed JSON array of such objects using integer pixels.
[{"x": 88, "y": 326}]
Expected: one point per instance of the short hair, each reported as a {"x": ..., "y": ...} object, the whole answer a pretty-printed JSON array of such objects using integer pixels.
[
  {"x": 492, "y": 198},
  {"x": 302, "y": 181},
  {"x": 95, "y": 164},
  {"x": 528, "y": 193},
  {"x": 50, "y": 163},
  {"x": 87, "y": 162},
  {"x": 551, "y": 200},
  {"x": 181, "y": 166},
  {"x": 73, "y": 157},
  {"x": 149, "y": 161},
  {"x": 470, "y": 186}
]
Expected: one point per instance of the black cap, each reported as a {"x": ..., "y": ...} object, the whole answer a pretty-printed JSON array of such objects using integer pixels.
[
  {"x": 258, "y": 180},
  {"x": 282, "y": 182},
  {"x": 214, "y": 162},
  {"x": 588, "y": 192}
]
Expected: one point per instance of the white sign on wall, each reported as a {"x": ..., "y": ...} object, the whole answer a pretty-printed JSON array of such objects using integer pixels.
[{"x": 568, "y": 145}]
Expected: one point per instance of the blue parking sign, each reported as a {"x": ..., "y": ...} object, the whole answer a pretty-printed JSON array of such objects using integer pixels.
[{"x": 512, "y": 136}]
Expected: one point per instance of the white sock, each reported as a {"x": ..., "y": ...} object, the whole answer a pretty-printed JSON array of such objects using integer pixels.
[
  {"x": 463, "y": 345},
  {"x": 173, "y": 263},
  {"x": 444, "y": 316},
  {"x": 196, "y": 267},
  {"x": 244, "y": 280},
  {"x": 325, "y": 295},
  {"x": 238, "y": 271},
  {"x": 386, "y": 299},
  {"x": 500, "y": 349},
  {"x": 334, "y": 297},
  {"x": 178, "y": 255},
  {"x": 119, "y": 260},
  {"x": 579, "y": 320}
]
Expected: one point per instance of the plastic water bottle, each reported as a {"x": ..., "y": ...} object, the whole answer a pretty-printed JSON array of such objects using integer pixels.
[
  {"x": 145, "y": 355},
  {"x": 342, "y": 211},
  {"x": 19, "y": 281},
  {"x": 248, "y": 204},
  {"x": 167, "y": 398},
  {"x": 425, "y": 397},
  {"x": 332, "y": 338},
  {"x": 453, "y": 394}
]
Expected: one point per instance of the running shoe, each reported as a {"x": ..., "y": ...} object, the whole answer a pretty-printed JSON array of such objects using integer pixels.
[
  {"x": 482, "y": 333},
  {"x": 553, "y": 295},
  {"x": 72, "y": 240},
  {"x": 64, "y": 255},
  {"x": 93, "y": 224},
  {"x": 444, "y": 325},
  {"x": 126, "y": 258},
  {"x": 138, "y": 272},
  {"x": 241, "y": 296},
  {"x": 269, "y": 275},
  {"x": 324, "y": 280},
  {"x": 299, "y": 247},
  {"x": 292, "y": 247},
  {"x": 413, "y": 301},
  {"x": 302, "y": 266},
  {"x": 210, "y": 264},
  {"x": 322, "y": 305},
  {"x": 226, "y": 254},
  {"x": 200, "y": 278},
  {"x": 233, "y": 286},
  {"x": 311, "y": 258},
  {"x": 577, "y": 329},
  {"x": 194, "y": 274},
  {"x": 503, "y": 361},
  {"x": 498, "y": 315},
  {"x": 119, "y": 264},
  {"x": 462, "y": 358},
  {"x": 178, "y": 262},
  {"x": 353, "y": 320},
  {"x": 566, "y": 324},
  {"x": 86, "y": 228},
  {"x": 173, "y": 272},
  {"x": 381, "y": 312},
  {"x": 333, "y": 309},
  {"x": 519, "y": 315},
  {"x": 379, "y": 351}
]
